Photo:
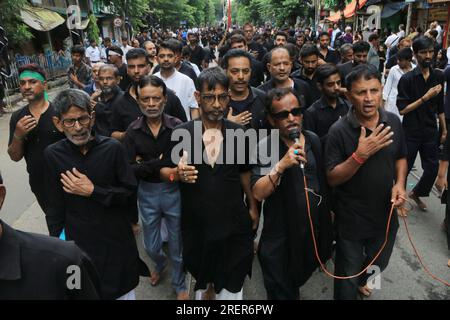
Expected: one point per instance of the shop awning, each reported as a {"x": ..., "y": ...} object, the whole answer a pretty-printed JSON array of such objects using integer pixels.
[
  {"x": 40, "y": 19},
  {"x": 349, "y": 11},
  {"x": 389, "y": 9}
]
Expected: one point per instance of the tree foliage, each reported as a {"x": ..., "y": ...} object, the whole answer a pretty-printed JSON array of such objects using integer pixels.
[
  {"x": 93, "y": 31},
  {"x": 278, "y": 12},
  {"x": 16, "y": 31}
]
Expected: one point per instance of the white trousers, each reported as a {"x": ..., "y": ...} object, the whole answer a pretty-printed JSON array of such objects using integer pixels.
[{"x": 129, "y": 296}]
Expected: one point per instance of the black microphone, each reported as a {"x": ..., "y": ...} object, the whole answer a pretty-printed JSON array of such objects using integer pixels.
[{"x": 294, "y": 135}]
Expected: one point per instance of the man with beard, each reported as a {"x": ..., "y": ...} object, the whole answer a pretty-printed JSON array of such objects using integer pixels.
[
  {"x": 330, "y": 107},
  {"x": 109, "y": 78},
  {"x": 150, "y": 47},
  {"x": 181, "y": 84},
  {"x": 237, "y": 41},
  {"x": 181, "y": 65},
  {"x": 286, "y": 252},
  {"x": 280, "y": 66},
  {"x": 115, "y": 57},
  {"x": 256, "y": 49},
  {"x": 360, "y": 53},
  {"x": 197, "y": 55},
  {"x": 216, "y": 224},
  {"x": 326, "y": 53},
  {"x": 147, "y": 142},
  {"x": 91, "y": 184},
  {"x": 309, "y": 57},
  {"x": 420, "y": 98},
  {"x": 126, "y": 109},
  {"x": 32, "y": 129},
  {"x": 246, "y": 102}
]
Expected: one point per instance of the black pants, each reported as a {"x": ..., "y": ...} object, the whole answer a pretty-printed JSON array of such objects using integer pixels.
[
  {"x": 428, "y": 151},
  {"x": 352, "y": 256}
]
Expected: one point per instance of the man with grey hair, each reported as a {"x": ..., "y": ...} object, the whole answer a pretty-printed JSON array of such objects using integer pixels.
[
  {"x": 346, "y": 52},
  {"x": 91, "y": 184}
]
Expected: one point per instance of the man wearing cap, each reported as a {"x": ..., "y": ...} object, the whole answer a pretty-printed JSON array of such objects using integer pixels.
[
  {"x": 32, "y": 129},
  {"x": 115, "y": 57}
]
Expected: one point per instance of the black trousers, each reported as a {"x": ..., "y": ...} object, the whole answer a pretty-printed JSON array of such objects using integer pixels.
[
  {"x": 352, "y": 256},
  {"x": 428, "y": 151}
]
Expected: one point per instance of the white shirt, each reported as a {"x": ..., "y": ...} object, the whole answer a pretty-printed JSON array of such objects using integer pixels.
[
  {"x": 391, "y": 40},
  {"x": 125, "y": 50},
  {"x": 184, "y": 89},
  {"x": 93, "y": 54}
]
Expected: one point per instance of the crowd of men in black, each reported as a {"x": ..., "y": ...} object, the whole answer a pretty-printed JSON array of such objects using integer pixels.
[{"x": 96, "y": 162}]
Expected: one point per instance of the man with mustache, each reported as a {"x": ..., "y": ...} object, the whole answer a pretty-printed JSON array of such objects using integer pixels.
[
  {"x": 108, "y": 78},
  {"x": 285, "y": 252},
  {"x": 420, "y": 98},
  {"x": 92, "y": 185},
  {"x": 181, "y": 84},
  {"x": 32, "y": 129},
  {"x": 147, "y": 143},
  {"x": 216, "y": 224},
  {"x": 246, "y": 102},
  {"x": 126, "y": 109},
  {"x": 309, "y": 57},
  {"x": 280, "y": 67}
]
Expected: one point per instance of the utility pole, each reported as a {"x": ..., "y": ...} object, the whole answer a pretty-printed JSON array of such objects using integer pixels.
[{"x": 408, "y": 19}]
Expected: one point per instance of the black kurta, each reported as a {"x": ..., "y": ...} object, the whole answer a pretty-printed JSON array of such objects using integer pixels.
[
  {"x": 34, "y": 266},
  {"x": 286, "y": 250},
  {"x": 99, "y": 225},
  {"x": 215, "y": 223}
]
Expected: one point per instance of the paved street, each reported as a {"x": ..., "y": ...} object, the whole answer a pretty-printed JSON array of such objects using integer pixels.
[{"x": 403, "y": 279}]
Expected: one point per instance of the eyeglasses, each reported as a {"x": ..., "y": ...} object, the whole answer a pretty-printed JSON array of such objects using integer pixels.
[
  {"x": 284, "y": 114},
  {"x": 210, "y": 98},
  {"x": 2, "y": 194},
  {"x": 83, "y": 121}
]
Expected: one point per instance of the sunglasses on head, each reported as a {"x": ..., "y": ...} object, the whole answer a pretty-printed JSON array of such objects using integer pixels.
[{"x": 297, "y": 111}]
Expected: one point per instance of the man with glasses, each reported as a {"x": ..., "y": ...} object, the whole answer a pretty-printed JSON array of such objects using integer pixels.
[
  {"x": 286, "y": 252},
  {"x": 22, "y": 253},
  {"x": 92, "y": 185},
  {"x": 32, "y": 129},
  {"x": 216, "y": 224}
]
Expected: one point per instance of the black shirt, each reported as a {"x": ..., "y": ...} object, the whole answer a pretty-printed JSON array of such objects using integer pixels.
[
  {"x": 321, "y": 116},
  {"x": 300, "y": 87},
  {"x": 344, "y": 70},
  {"x": 34, "y": 144},
  {"x": 257, "y": 77},
  {"x": 312, "y": 84},
  {"x": 421, "y": 122},
  {"x": 362, "y": 204},
  {"x": 36, "y": 267},
  {"x": 99, "y": 224},
  {"x": 125, "y": 80},
  {"x": 103, "y": 112},
  {"x": 215, "y": 224},
  {"x": 140, "y": 141},
  {"x": 126, "y": 110},
  {"x": 392, "y": 61},
  {"x": 255, "y": 46},
  {"x": 332, "y": 56},
  {"x": 197, "y": 55},
  {"x": 255, "y": 104}
]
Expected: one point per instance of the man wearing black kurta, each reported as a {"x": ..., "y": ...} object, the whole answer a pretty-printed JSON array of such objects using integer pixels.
[
  {"x": 215, "y": 223},
  {"x": 91, "y": 184},
  {"x": 286, "y": 252}
]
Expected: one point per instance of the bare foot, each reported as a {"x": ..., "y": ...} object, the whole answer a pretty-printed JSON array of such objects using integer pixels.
[
  {"x": 154, "y": 278},
  {"x": 422, "y": 206},
  {"x": 183, "y": 295},
  {"x": 209, "y": 294},
  {"x": 365, "y": 291},
  {"x": 448, "y": 263},
  {"x": 136, "y": 228},
  {"x": 402, "y": 212}
]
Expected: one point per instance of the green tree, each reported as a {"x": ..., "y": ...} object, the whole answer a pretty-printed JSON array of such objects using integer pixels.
[
  {"x": 16, "y": 31},
  {"x": 134, "y": 10},
  {"x": 93, "y": 31}
]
